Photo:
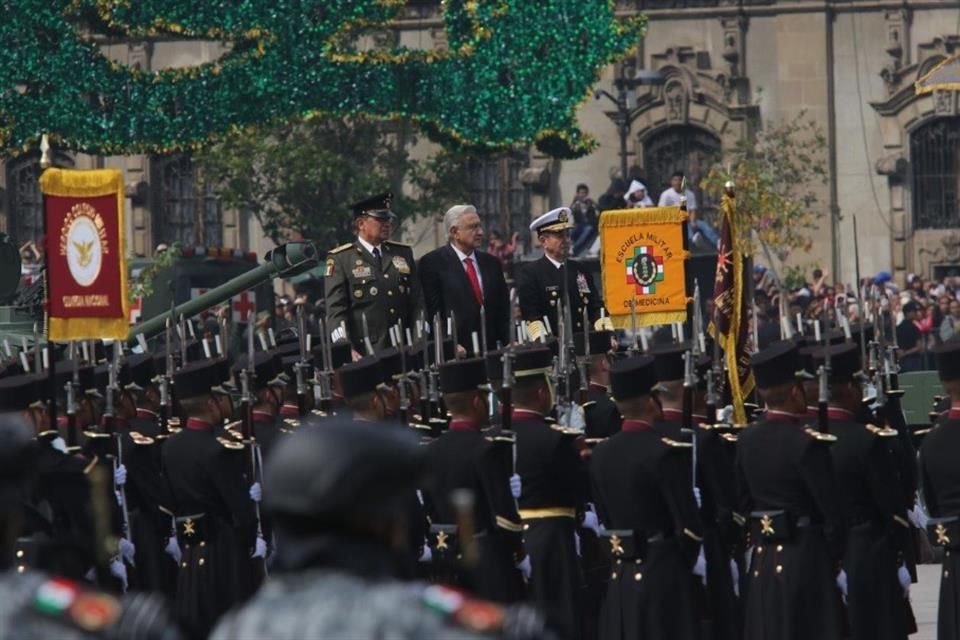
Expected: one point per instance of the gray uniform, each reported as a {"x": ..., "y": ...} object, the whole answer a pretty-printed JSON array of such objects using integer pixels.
[
  {"x": 34, "y": 606},
  {"x": 339, "y": 606},
  {"x": 355, "y": 285}
]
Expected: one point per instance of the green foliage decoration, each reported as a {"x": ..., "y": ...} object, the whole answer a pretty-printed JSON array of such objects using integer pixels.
[{"x": 513, "y": 73}]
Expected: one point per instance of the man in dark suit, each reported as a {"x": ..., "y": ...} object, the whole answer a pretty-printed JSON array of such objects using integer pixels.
[{"x": 459, "y": 279}]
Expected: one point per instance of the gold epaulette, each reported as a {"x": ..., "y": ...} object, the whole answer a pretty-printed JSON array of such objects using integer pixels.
[
  {"x": 339, "y": 249},
  {"x": 139, "y": 438},
  {"x": 676, "y": 443},
  {"x": 229, "y": 444},
  {"x": 922, "y": 432},
  {"x": 817, "y": 435},
  {"x": 729, "y": 437},
  {"x": 883, "y": 432}
]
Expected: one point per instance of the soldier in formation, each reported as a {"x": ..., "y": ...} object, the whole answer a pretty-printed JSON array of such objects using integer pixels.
[{"x": 411, "y": 479}]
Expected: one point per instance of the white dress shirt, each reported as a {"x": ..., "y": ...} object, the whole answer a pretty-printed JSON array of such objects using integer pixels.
[{"x": 671, "y": 198}]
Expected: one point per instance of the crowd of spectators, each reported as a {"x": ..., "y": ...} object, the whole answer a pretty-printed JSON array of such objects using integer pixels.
[{"x": 923, "y": 314}]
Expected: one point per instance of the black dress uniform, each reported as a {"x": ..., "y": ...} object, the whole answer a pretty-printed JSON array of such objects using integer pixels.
[
  {"x": 786, "y": 483},
  {"x": 554, "y": 486},
  {"x": 214, "y": 516},
  {"x": 540, "y": 285},
  {"x": 940, "y": 481},
  {"x": 463, "y": 458},
  {"x": 877, "y": 529},
  {"x": 644, "y": 497},
  {"x": 600, "y": 415},
  {"x": 717, "y": 602},
  {"x": 386, "y": 290}
]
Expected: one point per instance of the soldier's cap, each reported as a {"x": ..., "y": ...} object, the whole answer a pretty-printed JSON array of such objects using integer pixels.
[
  {"x": 341, "y": 352},
  {"x": 200, "y": 378},
  {"x": 556, "y": 220},
  {"x": 360, "y": 377},
  {"x": 87, "y": 376},
  {"x": 330, "y": 473},
  {"x": 267, "y": 366},
  {"x": 19, "y": 392},
  {"x": 391, "y": 363},
  {"x": 469, "y": 374},
  {"x": 778, "y": 364},
  {"x": 378, "y": 206},
  {"x": 599, "y": 342},
  {"x": 845, "y": 364},
  {"x": 633, "y": 377},
  {"x": 532, "y": 360},
  {"x": 493, "y": 362},
  {"x": 948, "y": 360},
  {"x": 139, "y": 372}
]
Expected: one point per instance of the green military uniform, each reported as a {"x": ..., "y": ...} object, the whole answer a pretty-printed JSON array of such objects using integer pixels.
[{"x": 357, "y": 284}]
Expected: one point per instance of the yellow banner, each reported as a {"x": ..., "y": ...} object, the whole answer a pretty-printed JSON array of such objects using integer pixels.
[{"x": 643, "y": 262}]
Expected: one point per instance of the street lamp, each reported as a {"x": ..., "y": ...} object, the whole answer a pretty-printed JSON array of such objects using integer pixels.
[{"x": 624, "y": 86}]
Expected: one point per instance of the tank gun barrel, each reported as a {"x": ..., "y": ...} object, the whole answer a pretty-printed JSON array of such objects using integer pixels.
[{"x": 285, "y": 261}]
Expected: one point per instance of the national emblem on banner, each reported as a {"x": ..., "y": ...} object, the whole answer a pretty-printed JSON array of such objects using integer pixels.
[
  {"x": 85, "y": 250},
  {"x": 643, "y": 262}
]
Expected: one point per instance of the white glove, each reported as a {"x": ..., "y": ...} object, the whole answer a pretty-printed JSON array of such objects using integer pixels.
[
  {"x": 576, "y": 543},
  {"x": 173, "y": 549},
  {"x": 697, "y": 497},
  {"x": 128, "y": 551},
  {"x": 700, "y": 568},
  {"x": 256, "y": 493},
  {"x": 516, "y": 486},
  {"x": 842, "y": 584},
  {"x": 904, "y": 577},
  {"x": 426, "y": 555},
  {"x": 119, "y": 571},
  {"x": 120, "y": 475},
  {"x": 590, "y": 521},
  {"x": 259, "y": 548},
  {"x": 726, "y": 415},
  {"x": 918, "y": 517},
  {"x": 735, "y": 575},
  {"x": 59, "y": 444},
  {"x": 572, "y": 416},
  {"x": 525, "y": 569}
]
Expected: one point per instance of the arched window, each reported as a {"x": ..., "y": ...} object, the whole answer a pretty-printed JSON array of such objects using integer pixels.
[
  {"x": 935, "y": 165},
  {"x": 24, "y": 202},
  {"x": 501, "y": 199},
  {"x": 679, "y": 148},
  {"x": 184, "y": 208}
]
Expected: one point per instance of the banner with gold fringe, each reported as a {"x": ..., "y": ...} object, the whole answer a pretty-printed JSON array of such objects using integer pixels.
[
  {"x": 643, "y": 255},
  {"x": 85, "y": 250},
  {"x": 730, "y": 326}
]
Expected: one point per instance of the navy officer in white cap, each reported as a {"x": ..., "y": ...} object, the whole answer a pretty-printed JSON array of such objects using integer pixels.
[{"x": 539, "y": 284}]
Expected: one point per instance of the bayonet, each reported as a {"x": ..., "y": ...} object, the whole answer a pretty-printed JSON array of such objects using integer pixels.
[
  {"x": 366, "y": 334},
  {"x": 483, "y": 331}
]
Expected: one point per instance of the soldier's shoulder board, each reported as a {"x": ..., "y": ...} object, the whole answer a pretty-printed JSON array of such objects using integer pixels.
[
  {"x": 883, "y": 432},
  {"x": 229, "y": 444},
  {"x": 819, "y": 436},
  {"x": 676, "y": 443},
  {"x": 340, "y": 249},
  {"x": 139, "y": 438}
]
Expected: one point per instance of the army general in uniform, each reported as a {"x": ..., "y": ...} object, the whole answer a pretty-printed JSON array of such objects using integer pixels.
[{"x": 372, "y": 277}]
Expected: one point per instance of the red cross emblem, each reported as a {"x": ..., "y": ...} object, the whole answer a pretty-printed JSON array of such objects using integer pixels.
[{"x": 244, "y": 306}]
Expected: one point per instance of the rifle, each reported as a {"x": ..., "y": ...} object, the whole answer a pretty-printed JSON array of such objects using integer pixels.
[
  {"x": 248, "y": 376},
  {"x": 72, "y": 386},
  {"x": 823, "y": 404},
  {"x": 324, "y": 374},
  {"x": 110, "y": 427},
  {"x": 402, "y": 382},
  {"x": 565, "y": 335},
  {"x": 423, "y": 374},
  {"x": 300, "y": 368},
  {"x": 166, "y": 380},
  {"x": 506, "y": 390},
  {"x": 583, "y": 364},
  {"x": 435, "y": 410}
]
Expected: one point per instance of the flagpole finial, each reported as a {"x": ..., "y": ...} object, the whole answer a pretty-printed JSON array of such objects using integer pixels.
[
  {"x": 728, "y": 186},
  {"x": 44, "y": 151}
]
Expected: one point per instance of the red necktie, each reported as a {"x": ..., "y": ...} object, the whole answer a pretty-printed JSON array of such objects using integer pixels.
[{"x": 474, "y": 280}]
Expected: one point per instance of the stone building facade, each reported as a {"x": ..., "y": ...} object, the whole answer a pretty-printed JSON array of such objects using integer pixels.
[{"x": 730, "y": 66}]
